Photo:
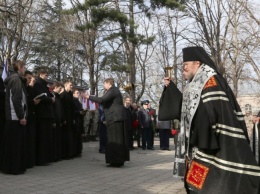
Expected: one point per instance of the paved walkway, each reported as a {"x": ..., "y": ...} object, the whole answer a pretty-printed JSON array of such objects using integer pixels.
[{"x": 148, "y": 172}]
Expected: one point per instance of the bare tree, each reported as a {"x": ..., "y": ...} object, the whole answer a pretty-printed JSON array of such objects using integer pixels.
[
  {"x": 15, "y": 15},
  {"x": 219, "y": 27}
]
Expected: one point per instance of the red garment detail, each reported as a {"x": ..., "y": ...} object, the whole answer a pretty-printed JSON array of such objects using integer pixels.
[
  {"x": 135, "y": 124},
  {"x": 210, "y": 83},
  {"x": 197, "y": 174}
]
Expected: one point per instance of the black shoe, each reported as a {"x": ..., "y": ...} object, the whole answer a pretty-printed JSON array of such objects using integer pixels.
[
  {"x": 150, "y": 148},
  {"x": 102, "y": 151},
  {"x": 144, "y": 148},
  {"x": 93, "y": 138},
  {"x": 118, "y": 165},
  {"x": 85, "y": 140}
]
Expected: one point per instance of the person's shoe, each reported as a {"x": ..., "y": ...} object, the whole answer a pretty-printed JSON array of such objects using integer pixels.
[
  {"x": 101, "y": 151},
  {"x": 93, "y": 138},
  {"x": 144, "y": 148},
  {"x": 150, "y": 148},
  {"x": 132, "y": 148},
  {"x": 86, "y": 139},
  {"x": 117, "y": 165}
]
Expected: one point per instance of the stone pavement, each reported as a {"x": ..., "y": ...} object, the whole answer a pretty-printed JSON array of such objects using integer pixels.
[{"x": 147, "y": 172}]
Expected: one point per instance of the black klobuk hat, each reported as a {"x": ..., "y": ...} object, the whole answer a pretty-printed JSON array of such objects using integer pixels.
[{"x": 198, "y": 54}]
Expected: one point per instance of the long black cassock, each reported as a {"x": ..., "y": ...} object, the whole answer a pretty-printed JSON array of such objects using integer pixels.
[
  {"x": 218, "y": 131},
  {"x": 117, "y": 148},
  {"x": 256, "y": 143}
]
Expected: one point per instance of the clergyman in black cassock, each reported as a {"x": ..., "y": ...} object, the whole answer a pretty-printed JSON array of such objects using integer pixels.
[
  {"x": 44, "y": 120},
  {"x": 59, "y": 119},
  {"x": 13, "y": 156},
  {"x": 116, "y": 151},
  {"x": 30, "y": 126},
  {"x": 78, "y": 125},
  {"x": 2, "y": 111},
  {"x": 255, "y": 137},
  {"x": 67, "y": 128}
]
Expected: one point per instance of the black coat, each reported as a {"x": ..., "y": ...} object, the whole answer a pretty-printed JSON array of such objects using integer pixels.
[
  {"x": 256, "y": 142},
  {"x": 112, "y": 102},
  {"x": 58, "y": 109},
  {"x": 77, "y": 116},
  {"x": 68, "y": 107},
  {"x": 44, "y": 109},
  {"x": 2, "y": 99},
  {"x": 30, "y": 103},
  {"x": 129, "y": 119},
  {"x": 15, "y": 98}
]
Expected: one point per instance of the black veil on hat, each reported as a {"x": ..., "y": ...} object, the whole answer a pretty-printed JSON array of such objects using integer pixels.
[{"x": 197, "y": 53}]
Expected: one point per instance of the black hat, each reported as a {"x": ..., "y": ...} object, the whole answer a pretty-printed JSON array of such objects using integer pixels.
[
  {"x": 198, "y": 54},
  {"x": 145, "y": 102}
]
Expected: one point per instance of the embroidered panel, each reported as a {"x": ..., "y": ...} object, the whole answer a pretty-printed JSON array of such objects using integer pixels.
[
  {"x": 197, "y": 174},
  {"x": 210, "y": 83}
]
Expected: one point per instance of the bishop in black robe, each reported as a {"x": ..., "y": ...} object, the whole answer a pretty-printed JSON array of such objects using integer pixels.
[{"x": 213, "y": 134}]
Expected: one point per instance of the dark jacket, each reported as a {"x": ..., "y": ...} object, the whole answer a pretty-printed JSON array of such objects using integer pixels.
[
  {"x": 15, "y": 101},
  {"x": 58, "y": 109},
  {"x": 129, "y": 118},
  {"x": 101, "y": 114},
  {"x": 2, "y": 99},
  {"x": 44, "y": 109},
  {"x": 68, "y": 107},
  {"x": 112, "y": 102},
  {"x": 144, "y": 118},
  {"x": 78, "y": 106},
  {"x": 77, "y": 116},
  {"x": 30, "y": 102}
]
